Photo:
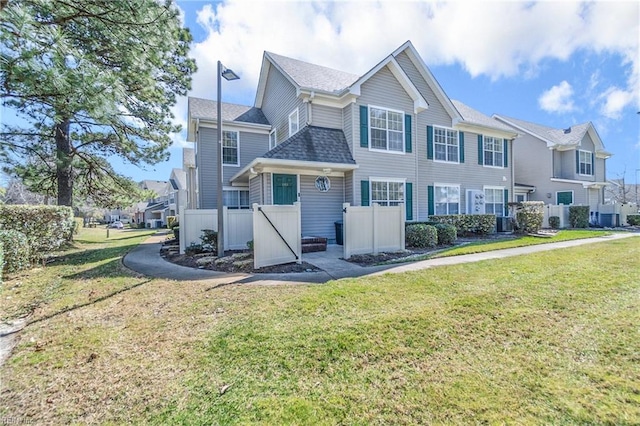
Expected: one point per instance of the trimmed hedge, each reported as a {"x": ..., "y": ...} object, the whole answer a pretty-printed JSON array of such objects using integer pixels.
[
  {"x": 447, "y": 234},
  {"x": 172, "y": 221},
  {"x": 16, "y": 250},
  {"x": 47, "y": 228},
  {"x": 466, "y": 224},
  {"x": 176, "y": 232},
  {"x": 529, "y": 216},
  {"x": 579, "y": 216},
  {"x": 421, "y": 236},
  {"x": 633, "y": 219},
  {"x": 554, "y": 222}
]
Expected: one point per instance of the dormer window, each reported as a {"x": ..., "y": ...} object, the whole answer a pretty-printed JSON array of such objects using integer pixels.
[{"x": 294, "y": 122}]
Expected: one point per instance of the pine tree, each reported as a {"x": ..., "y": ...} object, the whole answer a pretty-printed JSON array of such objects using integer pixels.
[{"x": 89, "y": 79}]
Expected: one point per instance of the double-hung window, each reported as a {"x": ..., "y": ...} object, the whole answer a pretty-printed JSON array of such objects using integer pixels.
[
  {"x": 494, "y": 201},
  {"x": 386, "y": 128},
  {"x": 294, "y": 122},
  {"x": 445, "y": 143},
  {"x": 585, "y": 165},
  {"x": 230, "y": 145},
  {"x": 387, "y": 193},
  {"x": 273, "y": 138},
  {"x": 493, "y": 151},
  {"x": 236, "y": 198},
  {"x": 447, "y": 199}
]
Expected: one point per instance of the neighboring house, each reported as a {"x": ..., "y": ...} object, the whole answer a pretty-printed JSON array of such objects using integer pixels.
[
  {"x": 157, "y": 209},
  {"x": 618, "y": 191},
  {"x": 559, "y": 166},
  {"x": 177, "y": 191},
  {"x": 324, "y": 137}
]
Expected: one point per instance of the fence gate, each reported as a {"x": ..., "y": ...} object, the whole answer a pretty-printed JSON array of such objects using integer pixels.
[{"x": 277, "y": 232}]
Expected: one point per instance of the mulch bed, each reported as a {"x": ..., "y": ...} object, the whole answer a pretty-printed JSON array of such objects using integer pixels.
[{"x": 234, "y": 261}]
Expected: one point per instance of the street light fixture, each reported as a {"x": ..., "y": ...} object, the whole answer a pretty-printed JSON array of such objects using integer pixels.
[{"x": 227, "y": 74}]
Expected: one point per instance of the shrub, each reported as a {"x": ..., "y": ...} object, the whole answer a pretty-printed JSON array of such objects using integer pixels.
[
  {"x": 1, "y": 261},
  {"x": 47, "y": 228},
  {"x": 194, "y": 249},
  {"x": 468, "y": 224},
  {"x": 16, "y": 250},
  {"x": 633, "y": 219},
  {"x": 250, "y": 245},
  {"x": 579, "y": 216},
  {"x": 209, "y": 240},
  {"x": 176, "y": 232},
  {"x": 447, "y": 234},
  {"x": 421, "y": 236},
  {"x": 529, "y": 216},
  {"x": 554, "y": 222},
  {"x": 172, "y": 221}
]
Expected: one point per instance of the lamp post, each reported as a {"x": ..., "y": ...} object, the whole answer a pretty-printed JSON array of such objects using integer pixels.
[{"x": 228, "y": 75}]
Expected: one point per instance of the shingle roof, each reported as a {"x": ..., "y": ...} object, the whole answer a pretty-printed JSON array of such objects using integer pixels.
[
  {"x": 157, "y": 186},
  {"x": 313, "y": 143},
  {"x": 180, "y": 177},
  {"x": 571, "y": 136},
  {"x": 473, "y": 116},
  {"x": 208, "y": 110},
  {"x": 311, "y": 76}
]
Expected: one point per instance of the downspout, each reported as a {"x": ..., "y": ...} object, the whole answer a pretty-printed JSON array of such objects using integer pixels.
[{"x": 513, "y": 172}]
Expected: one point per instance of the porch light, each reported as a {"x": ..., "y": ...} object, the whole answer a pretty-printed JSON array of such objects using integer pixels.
[{"x": 228, "y": 75}]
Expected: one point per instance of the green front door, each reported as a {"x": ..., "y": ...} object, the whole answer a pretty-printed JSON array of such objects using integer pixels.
[{"x": 285, "y": 189}]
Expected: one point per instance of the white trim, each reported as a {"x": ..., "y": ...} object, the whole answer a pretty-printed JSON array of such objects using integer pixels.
[
  {"x": 484, "y": 157},
  {"x": 274, "y": 132},
  {"x": 403, "y": 181},
  {"x": 499, "y": 188},
  {"x": 297, "y": 114},
  {"x": 484, "y": 130},
  {"x": 276, "y": 162},
  {"x": 386, "y": 179},
  {"x": 591, "y": 155},
  {"x": 388, "y": 151},
  {"x": 261, "y": 129},
  {"x": 237, "y": 148},
  {"x": 584, "y": 183},
  {"x": 449, "y": 185}
]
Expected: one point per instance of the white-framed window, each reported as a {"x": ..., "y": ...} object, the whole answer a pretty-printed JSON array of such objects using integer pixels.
[
  {"x": 446, "y": 145},
  {"x": 294, "y": 122},
  {"x": 493, "y": 151},
  {"x": 236, "y": 198},
  {"x": 230, "y": 145},
  {"x": 386, "y": 129},
  {"x": 447, "y": 199},
  {"x": 494, "y": 200},
  {"x": 521, "y": 198},
  {"x": 387, "y": 192},
  {"x": 585, "y": 166},
  {"x": 273, "y": 138}
]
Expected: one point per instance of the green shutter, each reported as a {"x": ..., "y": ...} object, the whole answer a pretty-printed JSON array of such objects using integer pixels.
[
  {"x": 461, "y": 140},
  {"x": 506, "y": 202},
  {"x": 593, "y": 164},
  {"x": 430, "y": 200},
  {"x": 480, "y": 150},
  {"x": 364, "y": 192},
  {"x": 364, "y": 126},
  {"x": 430, "y": 142},
  {"x": 407, "y": 133},
  {"x": 506, "y": 155},
  {"x": 577, "y": 162},
  {"x": 408, "y": 199}
]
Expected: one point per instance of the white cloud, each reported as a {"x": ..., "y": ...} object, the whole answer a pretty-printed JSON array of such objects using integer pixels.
[
  {"x": 496, "y": 39},
  {"x": 557, "y": 99}
]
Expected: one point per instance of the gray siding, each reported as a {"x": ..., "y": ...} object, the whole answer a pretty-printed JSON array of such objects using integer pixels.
[
  {"x": 348, "y": 188},
  {"x": 251, "y": 145},
  {"x": 533, "y": 161},
  {"x": 568, "y": 162},
  {"x": 255, "y": 190},
  {"x": 580, "y": 194},
  {"x": 382, "y": 90},
  {"x": 320, "y": 210},
  {"x": 349, "y": 125},
  {"x": 325, "y": 116},
  {"x": 279, "y": 101}
]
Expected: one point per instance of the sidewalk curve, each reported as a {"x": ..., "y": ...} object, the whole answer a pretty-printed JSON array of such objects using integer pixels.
[{"x": 146, "y": 260}]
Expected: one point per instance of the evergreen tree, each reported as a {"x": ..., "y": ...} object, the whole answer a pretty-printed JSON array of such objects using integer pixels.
[{"x": 90, "y": 79}]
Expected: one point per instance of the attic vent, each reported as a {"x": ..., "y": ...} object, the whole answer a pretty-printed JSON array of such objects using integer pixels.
[{"x": 567, "y": 130}]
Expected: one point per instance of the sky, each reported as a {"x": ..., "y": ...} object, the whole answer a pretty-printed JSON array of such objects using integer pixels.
[{"x": 556, "y": 63}]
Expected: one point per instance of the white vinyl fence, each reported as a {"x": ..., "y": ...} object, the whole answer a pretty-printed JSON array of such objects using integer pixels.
[
  {"x": 372, "y": 229},
  {"x": 561, "y": 211},
  {"x": 238, "y": 227},
  {"x": 620, "y": 210},
  {"x": 277, "y": 234}
]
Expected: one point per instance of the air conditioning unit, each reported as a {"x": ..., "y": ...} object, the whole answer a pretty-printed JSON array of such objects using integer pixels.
[{"x": 475, "y": 201}]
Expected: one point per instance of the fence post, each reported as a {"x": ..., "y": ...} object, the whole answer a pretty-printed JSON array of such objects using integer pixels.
[
  {"x": 182, "y": 224},
  {"x": 346, "y": 251},
  {"x": 225, "y": 221},
  {"x": 299, "y": 232},
  {"x": 402, "y": 221},
  {"x": 375, "y": 206}
]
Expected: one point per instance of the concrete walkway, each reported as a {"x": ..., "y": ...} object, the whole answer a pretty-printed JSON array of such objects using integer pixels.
[{"x": 145, "y": 259}]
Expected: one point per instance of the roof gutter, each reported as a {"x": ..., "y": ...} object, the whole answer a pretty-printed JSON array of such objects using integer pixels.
[{"x": 291, "y": 163}]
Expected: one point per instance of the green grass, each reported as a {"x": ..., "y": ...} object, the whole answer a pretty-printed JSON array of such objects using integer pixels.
[
  {"x": 547, "y": 338},
  {"x": 86, "y": 270}
]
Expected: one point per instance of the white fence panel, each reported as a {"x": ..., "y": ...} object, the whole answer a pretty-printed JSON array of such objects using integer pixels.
[
  {"x": 372, "y": 229},
  {"x": 561, "y": 211},
  {"x": 238, "y": 227},
  {"x": 269, "y": 248}
]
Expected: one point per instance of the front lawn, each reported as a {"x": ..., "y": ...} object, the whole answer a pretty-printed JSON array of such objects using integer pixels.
[{"x": 548, "y": 338}]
